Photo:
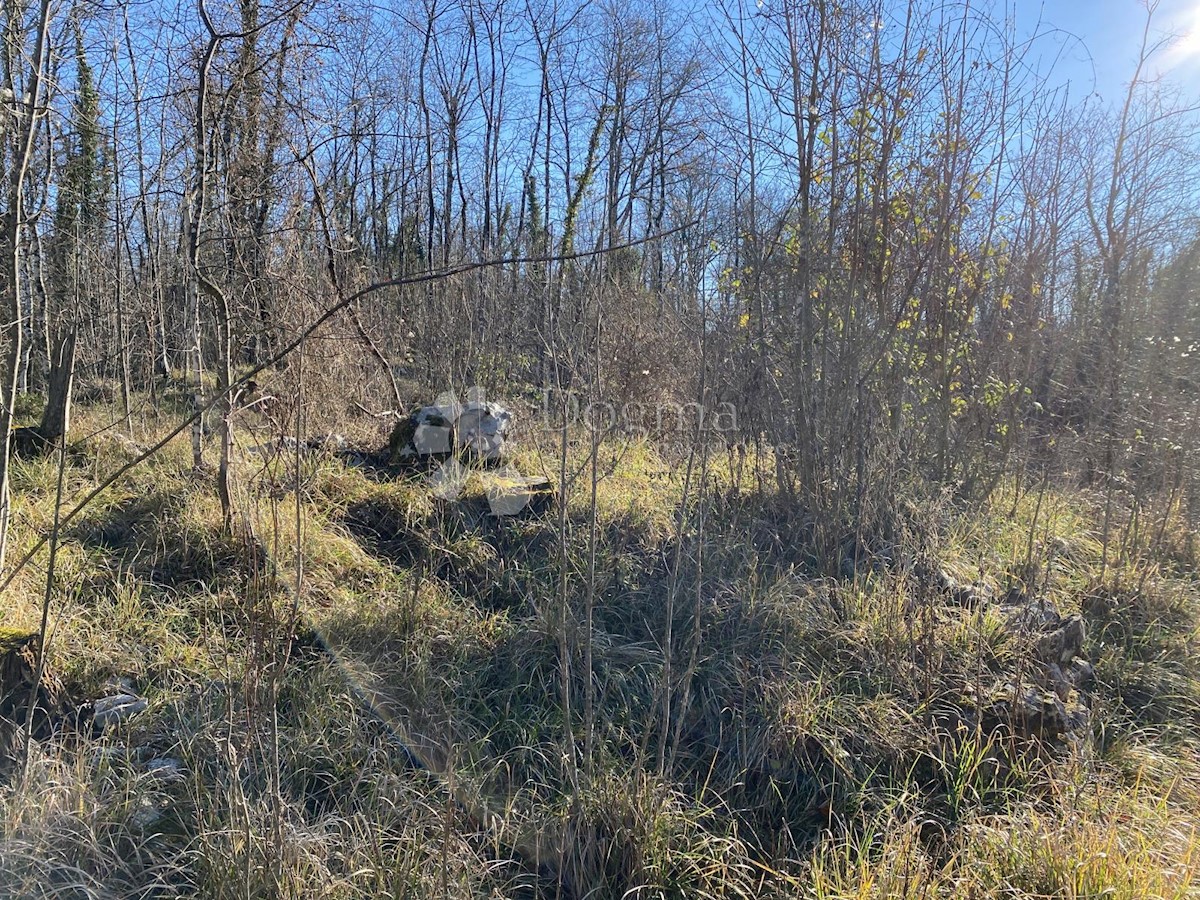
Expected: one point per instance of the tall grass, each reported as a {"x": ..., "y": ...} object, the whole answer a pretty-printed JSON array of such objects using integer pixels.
[{"x": 823, "y": 735}]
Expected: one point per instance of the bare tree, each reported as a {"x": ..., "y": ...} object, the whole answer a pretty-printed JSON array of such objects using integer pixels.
[{"x": 23, "y": 107}]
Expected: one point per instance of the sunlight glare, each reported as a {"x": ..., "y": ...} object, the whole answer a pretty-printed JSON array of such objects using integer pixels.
[{"x": 1186, "y": 48}]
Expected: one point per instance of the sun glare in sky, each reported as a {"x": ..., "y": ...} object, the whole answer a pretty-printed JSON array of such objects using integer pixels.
[{"x": 1186, "y": 48}]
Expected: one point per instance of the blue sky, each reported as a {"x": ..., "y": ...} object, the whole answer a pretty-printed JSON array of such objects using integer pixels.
[{"x": 1099, "y": 40}]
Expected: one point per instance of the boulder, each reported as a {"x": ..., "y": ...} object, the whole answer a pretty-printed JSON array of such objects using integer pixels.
[
  {"x": 1036, "y": 711},
  {"x": 108, "y": 712},
  {"x": 480, "y": 429},
  {"x": 476, "y": 429},
  {"x": 427, "y": 433},
  {"x": 1062, "y": 644}
]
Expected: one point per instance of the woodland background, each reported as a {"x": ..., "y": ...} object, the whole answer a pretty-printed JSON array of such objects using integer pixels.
[
  {"x": 917, "y": 323},
  {"x": 885, "y": 233}
]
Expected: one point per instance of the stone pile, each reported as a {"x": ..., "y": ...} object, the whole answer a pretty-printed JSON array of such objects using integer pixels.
[{"x": 1044, "y": 696}]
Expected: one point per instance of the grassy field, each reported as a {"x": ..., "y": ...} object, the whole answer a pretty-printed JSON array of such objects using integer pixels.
[{"x": 360, "y": 691}]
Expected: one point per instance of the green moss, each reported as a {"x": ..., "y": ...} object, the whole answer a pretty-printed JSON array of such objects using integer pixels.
[{"x": 12, "y": 639}]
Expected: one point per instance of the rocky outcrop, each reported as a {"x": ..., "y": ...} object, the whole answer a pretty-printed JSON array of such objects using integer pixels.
[
  {"x": 1031, "y": 709},
  {"x": 1046, "y": 696},
  {"x": 476, "y": 429},
  {"x": 961, "y": 593},
  {"x": 1042, "y": 691}
]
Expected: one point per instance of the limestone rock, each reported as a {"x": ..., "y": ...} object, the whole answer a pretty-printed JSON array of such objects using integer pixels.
[
  {"x": 147, "y": 815},
  {"x": 1063, "y": 643},
  {"x": 1030, "y": 615},
  {"x": 165, "y": 768},
  {"x": 480, "y": 429},
  {"x": 477, "y": 429},
  {"x": 110, "y": 711},
  {"x": 1042, "y": 696},
  {"x": 1067, "y": 678},
  {"x": 960, "y": 593},
  {"x": 1079, "y": 672},
  {"x": 1036, "y": 711},
  {"x": 332, "y": 443},
  {"x": 426, "y": 433}
]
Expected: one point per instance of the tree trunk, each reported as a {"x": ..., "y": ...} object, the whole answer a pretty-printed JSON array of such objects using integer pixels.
[
  {"x": 19, "y": 651},
  {"x": 56, "y": 420},
  {"x": 10, "y": 280}
]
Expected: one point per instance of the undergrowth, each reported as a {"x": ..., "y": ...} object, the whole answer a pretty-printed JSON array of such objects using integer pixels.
[{"x": 361, "y": 691}]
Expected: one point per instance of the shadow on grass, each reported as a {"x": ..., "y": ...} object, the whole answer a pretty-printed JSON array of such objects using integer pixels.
[
  {"x": 1148, "y": 642},
  {"x": 148, "y": 537}
]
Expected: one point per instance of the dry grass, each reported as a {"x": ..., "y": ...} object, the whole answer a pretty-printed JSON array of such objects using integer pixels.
[{"x": 824, "y": 747}]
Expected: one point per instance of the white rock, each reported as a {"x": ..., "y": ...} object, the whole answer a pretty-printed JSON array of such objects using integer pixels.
[
  {"x": 166, "y": 769},
  {"x": 109, "y": 711},
  {"x": 146, "y": 815},
  {"x": 480, "y": 429}
]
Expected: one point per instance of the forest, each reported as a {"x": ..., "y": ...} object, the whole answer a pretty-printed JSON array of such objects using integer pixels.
[{"x": 597, "y": 448}]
